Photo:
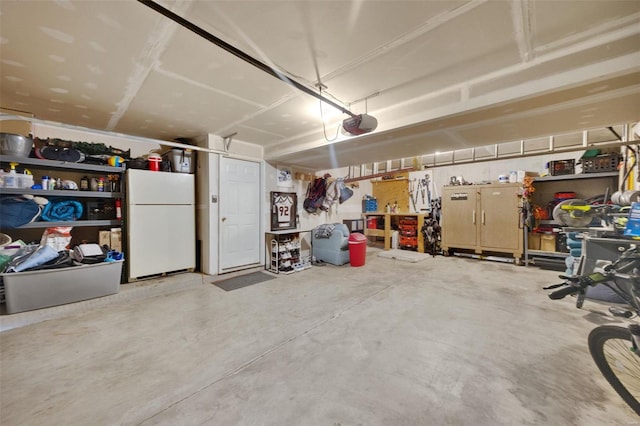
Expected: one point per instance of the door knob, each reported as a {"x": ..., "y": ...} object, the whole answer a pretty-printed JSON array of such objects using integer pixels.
[{"x": 224, "y": 218}]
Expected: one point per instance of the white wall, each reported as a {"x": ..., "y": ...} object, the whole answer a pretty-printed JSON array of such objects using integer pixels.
[
  {"x": 439, "y": 176},
  {"x": 490, "y": 170}
]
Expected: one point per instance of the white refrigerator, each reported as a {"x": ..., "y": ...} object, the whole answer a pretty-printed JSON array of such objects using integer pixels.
[{"x": 161, "y": 222}]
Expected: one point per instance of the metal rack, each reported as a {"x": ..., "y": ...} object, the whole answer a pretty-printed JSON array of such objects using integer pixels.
[
  {"x": 547, "y": 185},
  {"x": 284, "y": 252}
]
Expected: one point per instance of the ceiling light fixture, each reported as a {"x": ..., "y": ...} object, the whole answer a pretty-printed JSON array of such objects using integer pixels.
[{"x": 356, "y": 125}]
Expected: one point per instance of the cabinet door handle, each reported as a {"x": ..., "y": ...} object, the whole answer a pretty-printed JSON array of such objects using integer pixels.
[
  {"x": 483, "y": 217},
  {"x": 473, "y": 216}
]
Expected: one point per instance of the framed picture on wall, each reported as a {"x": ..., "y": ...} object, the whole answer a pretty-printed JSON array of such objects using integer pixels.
[
  {"x": 284, "y": 210},
  {"x": 285, "y": 177}
]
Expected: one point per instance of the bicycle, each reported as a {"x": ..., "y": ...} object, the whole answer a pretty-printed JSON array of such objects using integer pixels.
[{"x": 615, "y": 349}]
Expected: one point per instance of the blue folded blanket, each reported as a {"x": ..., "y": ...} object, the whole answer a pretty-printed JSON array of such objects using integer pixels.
[{"x": 58, "y": 210}]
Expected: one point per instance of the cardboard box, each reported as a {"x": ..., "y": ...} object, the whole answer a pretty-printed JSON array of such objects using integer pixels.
[
  {"x": 116, "y": 239},
  {"x": 104, "y": 238}
]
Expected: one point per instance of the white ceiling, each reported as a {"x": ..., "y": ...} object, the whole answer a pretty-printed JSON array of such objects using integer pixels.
[{"x": 438, "y": 75}]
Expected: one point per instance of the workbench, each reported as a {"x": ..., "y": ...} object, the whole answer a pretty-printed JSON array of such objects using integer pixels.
[{"x": 392, "y": 223}]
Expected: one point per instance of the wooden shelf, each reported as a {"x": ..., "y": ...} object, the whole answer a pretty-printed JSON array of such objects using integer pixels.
[{"x": 374, "y": 232}]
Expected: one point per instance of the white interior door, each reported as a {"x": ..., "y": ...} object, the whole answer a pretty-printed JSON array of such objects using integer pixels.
[{"x": 239, "y": 202}]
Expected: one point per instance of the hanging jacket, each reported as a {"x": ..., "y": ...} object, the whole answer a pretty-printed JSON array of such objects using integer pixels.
[{"x": 332, "y": 195}]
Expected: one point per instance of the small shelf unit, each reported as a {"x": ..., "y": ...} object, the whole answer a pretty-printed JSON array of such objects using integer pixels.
[
  {"x": 585, "y": 185},
  {"x": 284, "y": 252}
]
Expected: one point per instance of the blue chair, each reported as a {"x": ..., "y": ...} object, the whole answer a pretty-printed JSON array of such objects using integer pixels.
[{"x": 334, "y": 248}]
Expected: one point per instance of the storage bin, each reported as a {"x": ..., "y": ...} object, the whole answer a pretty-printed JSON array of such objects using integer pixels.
[
  {"x": 25, "y": 291},
  {"x": 369, "y": 205},
  {"x": 601, "y": 163},
  {"x": 408, "y": 241},
  {"x": 181, "y": 160},
  {"x": 408, "y": 232},
  {"x": 562, "y": 167},
  {"x": 548, "y": 242},
  {"x": 533, "y": 241}
]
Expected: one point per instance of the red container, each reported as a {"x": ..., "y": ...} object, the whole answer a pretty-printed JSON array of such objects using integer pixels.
[
  {"x": 154, "y": 162},
  {"x": 372, "y": 223},
  {"x": 561, "y": 196},
  {"x": 408, "y": 241},
  {"x": 357, "y": 249}
]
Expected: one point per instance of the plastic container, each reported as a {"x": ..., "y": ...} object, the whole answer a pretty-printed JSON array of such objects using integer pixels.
[
  {"x": 395, "y": 240},
  {"x": 181, "y": 160},
  {"x": 25, "y": 291},
  {"x": 357, "y": 249},
  {"x": 154, "y": 162},
  {"x": 11, "y": 178},
  {"x": 25, "y": 181},
  {"x": 561, "y": 167}
]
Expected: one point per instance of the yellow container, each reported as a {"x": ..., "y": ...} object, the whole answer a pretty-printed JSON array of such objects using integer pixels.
[
  {"x": 533, "y": 241},
  {"x": 548, "y": 242}
]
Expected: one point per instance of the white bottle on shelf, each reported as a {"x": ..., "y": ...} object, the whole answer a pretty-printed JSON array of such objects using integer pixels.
[
  {"x": 25, "y": 180},
  {"x": 11, "y": 178}
]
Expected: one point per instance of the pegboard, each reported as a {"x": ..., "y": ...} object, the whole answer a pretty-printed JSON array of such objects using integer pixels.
[{"x": 390, "y": 191}]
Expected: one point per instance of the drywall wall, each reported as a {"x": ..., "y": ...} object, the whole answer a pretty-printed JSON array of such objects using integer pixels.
[{"x": 439, "y": 176}]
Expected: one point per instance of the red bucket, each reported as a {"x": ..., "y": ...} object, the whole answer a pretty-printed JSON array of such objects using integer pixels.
[{"x": 154, "y": 162}]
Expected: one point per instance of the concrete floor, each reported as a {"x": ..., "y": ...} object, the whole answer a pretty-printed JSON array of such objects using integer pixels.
[{"x": 445, "y": 341}]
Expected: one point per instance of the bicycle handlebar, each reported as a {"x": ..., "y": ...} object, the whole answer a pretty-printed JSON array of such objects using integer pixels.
[
  {"x": 626, "y": 269},
  {"x": 565, "y": 291},
  {"x": 576, "y": 284}
]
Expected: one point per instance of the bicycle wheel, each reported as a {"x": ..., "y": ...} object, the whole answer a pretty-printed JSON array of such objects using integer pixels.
[{"x": 610, "y": 347}]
